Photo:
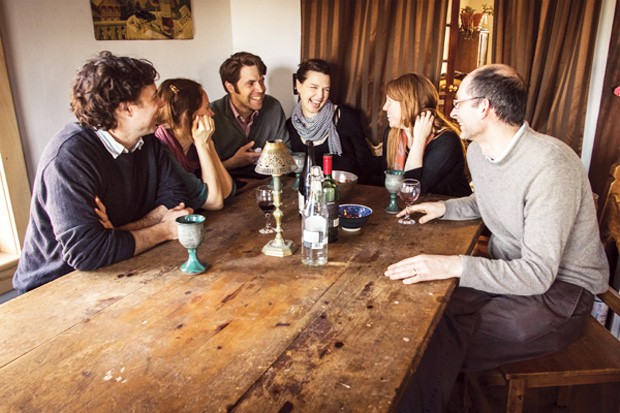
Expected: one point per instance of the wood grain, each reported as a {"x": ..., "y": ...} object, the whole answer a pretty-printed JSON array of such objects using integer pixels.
[{"x": 253, "y": 333}]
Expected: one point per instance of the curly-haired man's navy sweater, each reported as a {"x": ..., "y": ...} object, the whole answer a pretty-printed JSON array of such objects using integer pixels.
[{"x": 64, "y": 232}]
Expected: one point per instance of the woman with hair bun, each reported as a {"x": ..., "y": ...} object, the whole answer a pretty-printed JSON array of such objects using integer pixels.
[{"x": 185, "y": 128}]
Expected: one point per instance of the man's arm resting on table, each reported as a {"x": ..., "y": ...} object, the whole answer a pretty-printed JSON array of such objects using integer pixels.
[
  {"x": 165, "y": 230},
  {"x": 455, "y": 209},
  {"x": 154, "y": 228},
  {"x": 147, "y": 238},
  {"x": 426, "y": 267},
  {"x": 152, "y": 218},
  {"x": 431, "y": 210}
]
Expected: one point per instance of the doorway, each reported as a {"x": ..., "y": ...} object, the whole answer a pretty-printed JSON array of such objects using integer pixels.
[{"x": 466, "y": 46}]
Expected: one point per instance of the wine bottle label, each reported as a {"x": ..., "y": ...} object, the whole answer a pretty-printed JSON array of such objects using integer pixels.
[{"x": 332, "y": 210}]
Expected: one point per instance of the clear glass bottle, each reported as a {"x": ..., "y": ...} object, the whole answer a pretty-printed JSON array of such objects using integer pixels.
[
  {"x": 330, "y": 189},
  {"x": 304, "y": 177},
  {"x": 314, "y": 236}
]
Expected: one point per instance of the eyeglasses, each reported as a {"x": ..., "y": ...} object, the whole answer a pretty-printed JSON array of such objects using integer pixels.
[{"x": 457, "y": 102}]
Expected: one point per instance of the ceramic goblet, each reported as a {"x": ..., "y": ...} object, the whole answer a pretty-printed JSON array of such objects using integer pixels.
[
  {"x": 190, "y": 230},
  {"x": 393, "y": 181},
  {"x": 299, "y": 158}
]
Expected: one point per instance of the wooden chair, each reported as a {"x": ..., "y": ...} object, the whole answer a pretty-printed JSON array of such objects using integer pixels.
[
  {"x": 592, "y": 359},
  {"x": 609, "y": 217}
]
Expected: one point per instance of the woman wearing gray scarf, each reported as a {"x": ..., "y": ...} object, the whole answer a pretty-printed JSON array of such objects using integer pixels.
[
  {"x": 333, "y": 128},
  {"x": 318, "y": 127}
]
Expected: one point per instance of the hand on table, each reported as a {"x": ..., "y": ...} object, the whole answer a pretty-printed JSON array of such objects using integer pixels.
[
  {"x": 425, "y": 267},
  {"x": 431, "y": 210},
  {"x": 170, "y": 216}
]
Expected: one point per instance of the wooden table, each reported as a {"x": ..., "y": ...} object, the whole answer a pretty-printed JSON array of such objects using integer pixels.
[{"x": 253, "y": 334}]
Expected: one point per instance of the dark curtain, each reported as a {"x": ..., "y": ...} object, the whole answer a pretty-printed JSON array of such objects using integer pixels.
[
  {"x": 551, "y": 44},
  {"x": 368, "y": 43}
]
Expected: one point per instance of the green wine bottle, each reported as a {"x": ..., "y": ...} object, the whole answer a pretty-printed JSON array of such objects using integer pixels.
[{"x": 330, "y": 189}]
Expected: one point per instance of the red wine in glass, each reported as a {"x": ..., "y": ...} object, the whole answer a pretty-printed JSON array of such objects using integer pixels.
[
  {"x": 267, "y": 207},
  {"x": 407, "y": 197},
  {"x": 264, "y": 198},
  {"x": 409, "y": 192}
]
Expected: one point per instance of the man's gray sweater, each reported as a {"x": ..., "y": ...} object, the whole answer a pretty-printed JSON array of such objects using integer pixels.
[{"x": 538, "y": 204}]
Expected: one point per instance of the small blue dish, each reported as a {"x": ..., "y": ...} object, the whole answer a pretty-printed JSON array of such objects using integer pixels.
[{"x": 353, "y": 216}]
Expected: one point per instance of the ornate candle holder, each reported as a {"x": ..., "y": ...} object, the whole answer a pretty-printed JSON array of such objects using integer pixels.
[
  {"x": 276, "y": 160},
  {"x": 191, "y": 231},
  {"x": 393, "y": 181}
]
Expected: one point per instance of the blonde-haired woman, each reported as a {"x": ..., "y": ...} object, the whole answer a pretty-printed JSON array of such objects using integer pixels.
[
  {"x": 421, "y": 140},
  {"x": 186, "y": 127}
]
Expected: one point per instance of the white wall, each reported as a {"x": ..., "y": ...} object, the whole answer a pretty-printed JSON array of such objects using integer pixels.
[
  {"x": 46, "y": 41},
  {"x": 272, "y": 31}
]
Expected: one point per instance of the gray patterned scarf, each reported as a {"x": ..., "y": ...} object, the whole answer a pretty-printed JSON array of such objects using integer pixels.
[{"x": 316, "y": 128}]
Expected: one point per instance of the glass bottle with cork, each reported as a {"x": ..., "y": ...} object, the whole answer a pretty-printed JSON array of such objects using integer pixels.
[{"x": 314, "y": 231}]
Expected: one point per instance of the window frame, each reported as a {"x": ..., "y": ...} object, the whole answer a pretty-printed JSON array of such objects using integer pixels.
[{"x": 14, "y": 183}]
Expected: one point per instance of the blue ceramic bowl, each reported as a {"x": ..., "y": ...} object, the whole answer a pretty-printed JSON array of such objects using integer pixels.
[{"x": 353, "y": 216}]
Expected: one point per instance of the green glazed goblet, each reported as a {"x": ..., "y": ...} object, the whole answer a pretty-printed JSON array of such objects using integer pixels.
[
  {"x": 393, "y": 181},
  {"x": 191, "y": 231}
]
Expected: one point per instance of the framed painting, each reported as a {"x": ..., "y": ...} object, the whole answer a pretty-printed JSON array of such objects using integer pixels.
[{"x": 142, "y": 19}]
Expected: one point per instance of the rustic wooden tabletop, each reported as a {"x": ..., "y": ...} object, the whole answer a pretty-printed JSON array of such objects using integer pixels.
[{"x": 252, "y": 334}]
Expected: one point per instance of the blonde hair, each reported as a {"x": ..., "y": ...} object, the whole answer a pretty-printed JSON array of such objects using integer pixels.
[{"x": 414, "y": 93}]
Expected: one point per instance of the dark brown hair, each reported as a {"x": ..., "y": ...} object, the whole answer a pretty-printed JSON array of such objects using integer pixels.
[
  {"x": 103, "y": 83},
  {"x": 230, "y": 70},
  {"x": 505, "y": 90},
  {"x": 314, "y": 65}
]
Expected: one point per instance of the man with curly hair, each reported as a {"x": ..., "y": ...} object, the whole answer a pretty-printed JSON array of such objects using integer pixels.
[{"x": 109, "y": 157}]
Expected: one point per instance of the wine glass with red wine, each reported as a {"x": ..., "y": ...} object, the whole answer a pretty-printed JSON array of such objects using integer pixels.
[
  {"x": 264, "y": 198},
  {"x": 409, "y": 192}
]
